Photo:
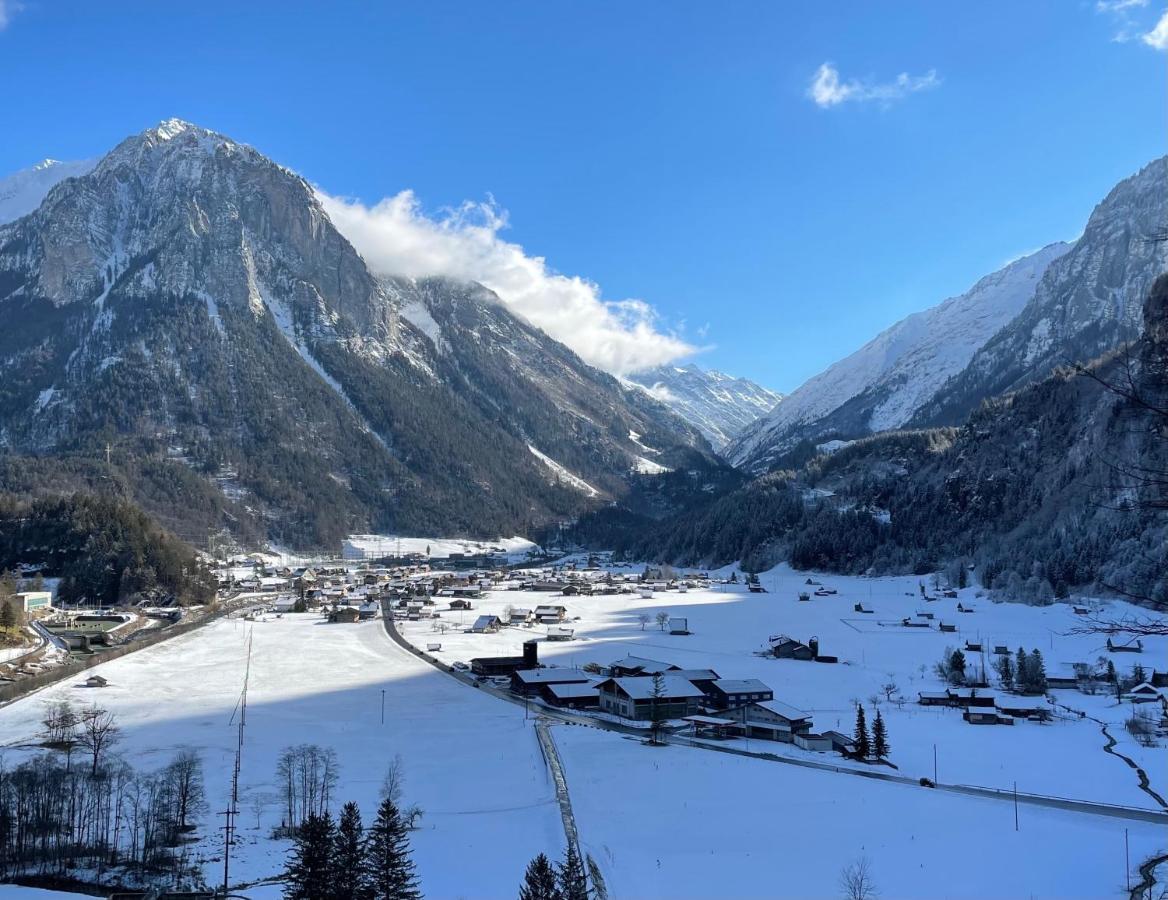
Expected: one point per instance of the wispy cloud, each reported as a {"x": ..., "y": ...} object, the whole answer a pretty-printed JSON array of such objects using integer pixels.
[
  {"x": 828, "y": 89},
  {"x": 1158, "y": 36},
  {"x": 8, "y": 8},
  {"x": 396, "y": 237},
  {"x": 1131, "y": 23}
]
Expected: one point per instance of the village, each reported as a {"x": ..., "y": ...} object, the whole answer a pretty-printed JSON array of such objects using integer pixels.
[
  {"x": 728, "y": 658},
  {"x": 654, "y": 688}
]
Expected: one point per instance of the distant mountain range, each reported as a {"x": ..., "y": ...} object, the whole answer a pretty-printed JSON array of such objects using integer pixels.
[
  {"x": 23, "y": 191},
  {"x": 185, "y": 309},
  {"x": 1063, "y": 304},
  {"x": 721, "y": 406}
]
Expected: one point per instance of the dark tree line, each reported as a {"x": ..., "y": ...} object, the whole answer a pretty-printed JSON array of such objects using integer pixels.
[{"x": 344, "y": 861}]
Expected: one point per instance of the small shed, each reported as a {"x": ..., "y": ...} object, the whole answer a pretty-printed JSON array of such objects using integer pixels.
[
  {"x": 811, "y": 741},
  {"x": 95, "y": 681},
  {"x": 679, "y": 626}
]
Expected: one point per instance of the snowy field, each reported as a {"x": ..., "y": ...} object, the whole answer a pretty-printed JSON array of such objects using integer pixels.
[
  {"x": 1063, "y": 758},
  {"x": 471, "y": 762},
  {"x": 662, "y": 822},
  {"x": 700, "y": 825}
]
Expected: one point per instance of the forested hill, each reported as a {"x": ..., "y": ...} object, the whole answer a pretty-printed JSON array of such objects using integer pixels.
[
  {"x": 1047, "y": 490},
  {"x": 104, "y": 550}
]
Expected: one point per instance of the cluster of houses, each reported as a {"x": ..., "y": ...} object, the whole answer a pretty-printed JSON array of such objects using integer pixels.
[
  {"x": 646, "y": 690},
  {"x": 981, "y": 708}
]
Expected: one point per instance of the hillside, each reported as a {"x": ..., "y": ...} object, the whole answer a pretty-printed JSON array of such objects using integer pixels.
[
  {"x": 1044, "y": 491},
  {"x": 187, "y": 311},
  {"x": 1063, "y": 304}
]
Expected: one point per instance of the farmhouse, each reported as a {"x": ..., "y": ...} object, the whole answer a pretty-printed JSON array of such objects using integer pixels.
[
  {"x": 486, "y": 625},
  {"x": 769, "y": 719},
  {"x": 574, "y": 695},
  {"x": 527, "y": 682},
  {"x": 785, "y": 647},
  {"x": 346, "y": 614},
  {"x": 726, "y": 692},
  {"x": 550, "y": 614},
  {"x": 985, "y": 715},
  {"x": 460, "y": 603},
  {"x": 506, "y": 665},
  {"x": 636, "y": 665},
  {"x": 632, "y": 698}
]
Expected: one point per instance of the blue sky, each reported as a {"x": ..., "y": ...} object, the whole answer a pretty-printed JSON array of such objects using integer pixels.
[{"x": 668, "y": 152}]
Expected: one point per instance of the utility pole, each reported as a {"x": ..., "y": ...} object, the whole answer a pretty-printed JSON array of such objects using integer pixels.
[
  {"x": 1015, "y": 806},
  {"x": 934, "y": 763},
  {"x": 383, "y": 706},
  {"x": 1126, "y": 862}
]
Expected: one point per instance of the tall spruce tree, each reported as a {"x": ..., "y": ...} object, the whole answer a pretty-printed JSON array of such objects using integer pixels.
[
  {"x": 1022, "y": 670},
  {"x": 863, "y": 743},
  {"x": 571, "y": 876},
  {"x": 389, "y": 871},
  {"x": 348, "y": 860},
  {"x": 1005, "y": 666},
  {"x": 880, "y": 746},
  {"x": 308, "y": 874},
  {"x": 1036, "y": 672},
  {"x": 539, "y": 881}
]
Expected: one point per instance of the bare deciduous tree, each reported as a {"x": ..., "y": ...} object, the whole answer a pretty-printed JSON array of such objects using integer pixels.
[
  {"x": 662, "y": 619},
  {"x": 856, "y": 882},
  {"x": 98, "y": 731}
]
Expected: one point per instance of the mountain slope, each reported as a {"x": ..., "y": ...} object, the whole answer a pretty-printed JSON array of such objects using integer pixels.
[
  {"x": 1088, "y": 302},
  {"x": 189, "y": 304},
  {"x": 719, "y": 405},
  {"x": 884, "y": 383},
  {"x": 1051, "y": 488},
  {"x": 23, "y": 191}
]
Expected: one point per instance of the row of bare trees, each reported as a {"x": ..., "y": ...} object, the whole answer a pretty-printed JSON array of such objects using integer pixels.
[{"x": 56, "y": 816}]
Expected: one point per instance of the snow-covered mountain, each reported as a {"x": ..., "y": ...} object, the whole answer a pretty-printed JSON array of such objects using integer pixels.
[
  {"x": 1088, "y": 302},
  {"x": 23, "y": 191},
  {"x": 719, "y": 405},
  {"x": 884, "y": 383},
  {"x": 189, "y": 302}
]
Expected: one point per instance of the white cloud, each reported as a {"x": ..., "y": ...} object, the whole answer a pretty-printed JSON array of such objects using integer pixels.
[
  {"x": 1119, "y": 5},
  {"x": 7, "y": 9},
  {"x": 1158, "y": 36},
  {"x": 396, "y": 237},
  {"x": 827, "y": 89}
]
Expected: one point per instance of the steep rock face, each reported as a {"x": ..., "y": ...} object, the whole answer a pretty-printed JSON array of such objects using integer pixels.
[
  {"x": 580, "y": 418},
  {"x": 720, "y": 405},
  {"x": 189, "y": 304},
  {"x": 884, "y": 383},
  {"x": 1087, "y": 303}
]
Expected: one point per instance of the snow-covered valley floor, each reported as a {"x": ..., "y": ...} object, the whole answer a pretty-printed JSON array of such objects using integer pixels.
[{"x": 662, "y": 822}]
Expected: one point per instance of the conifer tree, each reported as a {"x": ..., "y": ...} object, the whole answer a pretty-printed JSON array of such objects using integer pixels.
[
  {"x": 348, "y": 859},
  {"x": 571, "y": 877},
  {"x": 389, "y": 871},
  {"x": 7, "y": 615},
  {"x": 308, "y": 874},
  {"x": 1138, "y": 676},
  {"x": 1036, "y": 673},
  {"x": 880, "y": 746},
  {"x": 957, "y": 667},
  {"x": 1005, "y": 666},
  {"x": 1022, "y": 670},
  {"x": 863, "y": 744},
  {"x": 539, "y": 881}
]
